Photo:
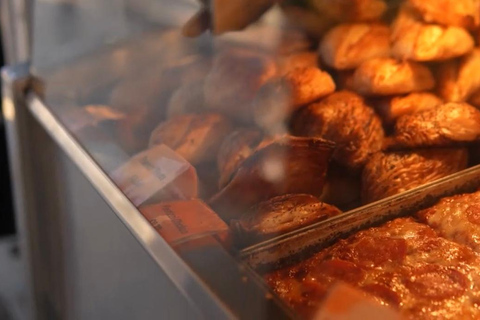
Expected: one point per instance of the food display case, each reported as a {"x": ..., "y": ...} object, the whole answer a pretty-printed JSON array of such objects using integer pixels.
[{"x": 246, "y": 159}]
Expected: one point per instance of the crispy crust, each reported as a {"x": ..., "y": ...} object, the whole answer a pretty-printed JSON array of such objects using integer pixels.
[
  {"x": 458, "y": 13},
  {"x": 458, "y": 80},
  {"x": 348, "y": 45},
  {"x": 386, "y": 76},
  {"x": 387, "y": 174},
  {"x": 446, "y": 125},
  {"x": 415, "y": 40},
  {"x": 344, "y": 118}
]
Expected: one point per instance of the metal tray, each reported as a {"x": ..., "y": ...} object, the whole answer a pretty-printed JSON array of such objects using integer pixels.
[{"x": 298, "y": 244}]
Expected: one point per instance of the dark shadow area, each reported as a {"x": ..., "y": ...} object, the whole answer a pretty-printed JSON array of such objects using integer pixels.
[{"x": 7, "y": 225}]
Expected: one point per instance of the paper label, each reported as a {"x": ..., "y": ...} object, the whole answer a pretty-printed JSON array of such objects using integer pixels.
[
  {"x": 181, "y": 220},
  {"x": 149, "y": 172}
]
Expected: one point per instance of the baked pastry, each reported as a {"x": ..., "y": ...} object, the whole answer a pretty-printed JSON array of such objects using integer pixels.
[
  {"x": 416, "y": 40},
  {"x": 342, "y": 117},
  {"x": 280, "y": 215},
  {"x": 393, "y": 107},
  {"x": 346, "y": 46},
  {"x": 459, "y": 79},
  {"x": 196, "y": 137},
  {"x": 235, "y": 148},
  {"x": 456, "y": 218},
  {"x": 234, "y": 81},
  {"x": 385, "y": 76},
  {"x": 459, "y": 13},
  {"x": 287, "y": 165},
  {"x": 280, "y": 97},
  {"x": 387, "y": 174},
  {"x": 403, "y": 264},
  {"x": 446, "y": 125},
  {"x": 295, "y": 60}
]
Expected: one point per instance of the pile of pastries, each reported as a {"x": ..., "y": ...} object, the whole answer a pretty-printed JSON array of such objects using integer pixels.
[{"x": 357, "y": 101}]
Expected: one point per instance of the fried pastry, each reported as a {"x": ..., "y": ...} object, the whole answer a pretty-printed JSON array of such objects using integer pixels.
[
  {"x": 342, "y": 117},
  {"x": 234, "y": 80},
  {"x": 446, "y": 125},
  {"x": 346, "y": 46},
  {"x": 456, "y": 218},
  {"x": 295, "y": 60},
  {"x": 459, "y": 13},
  {"x": 387, "y": 174},
  {"x": 416, "y": 40},
  {"x": 459, "y": 79},
  {"x": 280, "y": 215},
  {"x": 392, "y": 108},
  {"x": 391, "y": 77},
  {"x": 196, "y": 138},
  {"x": 287, "y": 165}
]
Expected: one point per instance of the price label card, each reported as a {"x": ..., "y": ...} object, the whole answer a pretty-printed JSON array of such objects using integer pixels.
[{"x": 157, "y": 174}]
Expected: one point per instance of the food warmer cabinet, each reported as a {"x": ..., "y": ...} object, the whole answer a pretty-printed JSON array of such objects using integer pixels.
[{"x": 203, "y": 159}]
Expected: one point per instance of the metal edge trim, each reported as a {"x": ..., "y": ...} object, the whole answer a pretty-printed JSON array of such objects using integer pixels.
[{"x": 188, "y": 283}]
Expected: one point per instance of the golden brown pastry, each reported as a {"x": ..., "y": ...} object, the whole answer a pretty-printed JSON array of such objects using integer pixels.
[
  {"x": 459, "y": 79},
  {"x": 302, "y": 59},
  {"x": 348, "y": 45},
  {"x": 234, "y": 80},
  {"x": 280, "y": 97},
  {"x": 416, "y": 40},
  {"x": 446, "y": 125},
  {"x": 287, "y": 165},
  {"x": 342, "y": 117},
  {"x": 387, "y": 174},
  {"x": 392, "y": 108},
  {"x": 459, "y": 13},
  {"x": 391, "y": 77},
  {"x": 280, "y": 215},
  {"x": 196, "y": 137},
  {"x": 235, "y": 148},
  {"x": 351, "y": 11}
]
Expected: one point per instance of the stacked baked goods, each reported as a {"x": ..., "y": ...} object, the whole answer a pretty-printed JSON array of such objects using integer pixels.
[{"x": 356, "y": 101}]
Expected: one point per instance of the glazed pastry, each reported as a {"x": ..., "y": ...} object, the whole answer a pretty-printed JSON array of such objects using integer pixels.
[
  {"x": 402, "y": 264},
  {"x": 391, "y": 77},
  {"x": 387, "y": 174},
  {"x": 234, "y": 81},
  {"x": 348, "y": 45},
  {"x": 197, "y": 138},
  {"x": 446, "y": 125},
  {"x": 459, "y": 79},
  {"x": 416, "y": 40},
  {"x": 287, "y": 165},
  {"x": 459, "y": 13},
  {"x": 456, "y": 218},
  {"x": 280, "y": 215},
  {"x": 279, "y": 98},
  {"x": 342, "y": 117},
  {"x": 351, "y": 11},
  {"x": 392, "y": 108},
  {"x": 235, "y": 148}
]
